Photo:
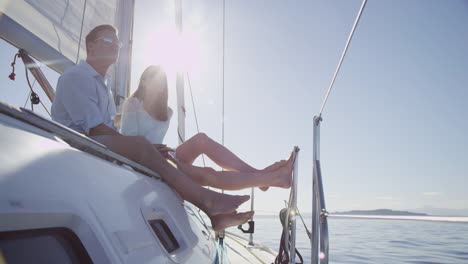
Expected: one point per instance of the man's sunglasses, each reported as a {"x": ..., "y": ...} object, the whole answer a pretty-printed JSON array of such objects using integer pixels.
[{"x": 110, "y": 41}]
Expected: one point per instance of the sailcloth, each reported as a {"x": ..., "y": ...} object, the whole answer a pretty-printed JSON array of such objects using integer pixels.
[{"x": 54, "y": 31}]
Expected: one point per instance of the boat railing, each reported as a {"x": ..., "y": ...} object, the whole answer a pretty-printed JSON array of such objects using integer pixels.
[
  {"x": 319, "y": 238},
  {"x": 289, "y": 227}
]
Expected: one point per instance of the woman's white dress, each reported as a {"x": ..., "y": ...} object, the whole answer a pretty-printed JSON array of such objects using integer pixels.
[{"x": 137, "y": 122}]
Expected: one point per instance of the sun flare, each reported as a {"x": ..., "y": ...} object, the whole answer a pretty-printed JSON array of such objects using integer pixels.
[{"x": 172, "y": 50}]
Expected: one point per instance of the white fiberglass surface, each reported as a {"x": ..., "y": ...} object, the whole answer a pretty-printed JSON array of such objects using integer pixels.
[{"x": 38, "y": 171}]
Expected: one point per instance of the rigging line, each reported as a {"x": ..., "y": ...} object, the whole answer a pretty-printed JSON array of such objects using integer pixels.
[
  {"x": 27, "y": 99},
  {"x": 33, "y": 93},
  {"x": 305, "y": 226},
  {"x": 29, "y": 95},
  {"x": 224, "y": 40},
  {"x": 222, "y": 111},
  {"x": 180, "y": 77},
  {"x": 81, "y": 33},
  {"x": 45, "y": 108},
  {"x": 252, "y": 190},
  {"x": 343, "y": 55},
  {"x": 194, "y": 111}
]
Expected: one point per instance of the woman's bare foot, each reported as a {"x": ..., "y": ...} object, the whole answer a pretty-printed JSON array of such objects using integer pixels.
[
  {"x": 214, "y": 203},
  {"x": 285, "y": 174},
  {"x": 275, "y": 165},
  {"x": 223, "y": 221},
  {"x": 282, "y": 169},
  {"x": 270, "y": 168}
]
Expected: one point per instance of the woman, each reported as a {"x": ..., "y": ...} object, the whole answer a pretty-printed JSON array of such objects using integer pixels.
[{"x": 146, "y": 113}]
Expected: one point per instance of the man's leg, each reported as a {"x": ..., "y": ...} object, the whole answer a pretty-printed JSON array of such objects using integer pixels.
[
  {"x": 220, "y": 222},
  {"x": 140, "y": 150}
]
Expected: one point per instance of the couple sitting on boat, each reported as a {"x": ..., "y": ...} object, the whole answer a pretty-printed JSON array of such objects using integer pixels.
[{"x": 84, "y": 103}]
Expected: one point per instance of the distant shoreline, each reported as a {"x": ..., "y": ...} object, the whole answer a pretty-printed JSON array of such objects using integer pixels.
[
  {"x": 380, "y": 212},
  {"x": 452, "y": 219},
  {"x": 429, "y": 218},
  {"x": 383, "y": 214}
]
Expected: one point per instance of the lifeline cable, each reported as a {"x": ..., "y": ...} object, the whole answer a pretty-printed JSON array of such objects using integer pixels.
[
  {"x": 194, "y": 111},
  {"x": 343, "y": 55},
  {"x": 34, "y": 97}
]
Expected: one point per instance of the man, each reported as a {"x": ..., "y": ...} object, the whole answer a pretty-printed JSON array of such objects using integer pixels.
[{"x": 84, "y": 103}]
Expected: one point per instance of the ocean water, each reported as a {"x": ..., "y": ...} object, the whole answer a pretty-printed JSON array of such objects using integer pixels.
[{"x": 377, "y": 240}]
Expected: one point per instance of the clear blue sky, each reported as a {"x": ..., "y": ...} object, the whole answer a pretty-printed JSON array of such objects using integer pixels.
[{"x": 394, "y": 128}]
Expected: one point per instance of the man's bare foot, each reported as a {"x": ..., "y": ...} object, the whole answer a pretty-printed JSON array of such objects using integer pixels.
[
  {"x": 223, "y": 221},
  {"x": 215, "y": 203}
]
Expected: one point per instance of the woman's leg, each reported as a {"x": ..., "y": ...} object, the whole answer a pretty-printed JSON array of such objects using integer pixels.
[
  {"x": 230, "y": 180},
  {"x": 199, "y": 144}
]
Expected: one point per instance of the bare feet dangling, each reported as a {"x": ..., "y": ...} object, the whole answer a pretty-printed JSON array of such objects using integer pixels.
[
  {"x": 223, "y": 221},
  {"x": 285, "y": 178},
  {"x": 272, "y": 167},
  {"x": 215, "y": 203},
  {"x": 284, "y": 170}
]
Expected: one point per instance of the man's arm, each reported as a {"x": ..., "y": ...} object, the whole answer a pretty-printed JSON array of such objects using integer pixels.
[
  {"x": 101, "y": 130},
  {"x": 80, "y": 100}
]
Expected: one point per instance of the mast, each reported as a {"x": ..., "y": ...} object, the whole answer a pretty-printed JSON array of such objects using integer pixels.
[
  {"x": 180, "y": 80},
  {"x": 122, "y": 69}
]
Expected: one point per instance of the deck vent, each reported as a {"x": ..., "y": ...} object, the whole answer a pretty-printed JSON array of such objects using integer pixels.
[{"x": 164, "y": 234}]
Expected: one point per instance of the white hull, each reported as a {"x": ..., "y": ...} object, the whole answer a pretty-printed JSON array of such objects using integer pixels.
[{"x": 45, "y": 183}]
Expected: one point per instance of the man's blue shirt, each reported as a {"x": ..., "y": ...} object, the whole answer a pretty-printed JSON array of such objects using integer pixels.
[{"x": 82, "y": 100}]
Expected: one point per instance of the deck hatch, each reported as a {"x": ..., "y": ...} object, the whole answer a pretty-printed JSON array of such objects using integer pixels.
[
  {"x": 164, "y": 234},
  {"x": 48, "y": 245}
]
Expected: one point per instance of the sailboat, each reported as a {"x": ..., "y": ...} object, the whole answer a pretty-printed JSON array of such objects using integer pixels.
[{"x": 65, "y": 198}]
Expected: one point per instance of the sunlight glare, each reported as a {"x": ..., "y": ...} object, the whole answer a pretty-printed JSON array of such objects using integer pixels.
[
  {"x": 172, "y": 50},
  {"x": 322, "y": 255}
]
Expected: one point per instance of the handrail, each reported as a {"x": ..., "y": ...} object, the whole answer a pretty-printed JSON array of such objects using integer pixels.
[
  {"x": 290, "y": 220},
  {"x": 287, "y": 251},
  {"x": 319, "y": 239}
]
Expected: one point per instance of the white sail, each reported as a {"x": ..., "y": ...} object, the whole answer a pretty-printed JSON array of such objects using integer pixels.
[
  {"x": 54, "y": 31},
  {"x": 56, "y": 25}
]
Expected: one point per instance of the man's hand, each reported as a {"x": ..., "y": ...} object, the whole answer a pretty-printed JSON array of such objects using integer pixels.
[
  {"x": 101, "y": 130},
  {"x": 163, "y": 149}
]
